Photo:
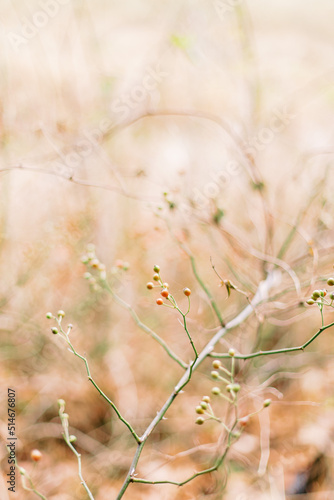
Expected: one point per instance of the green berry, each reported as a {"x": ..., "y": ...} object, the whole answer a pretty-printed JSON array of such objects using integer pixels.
[
  {"x": 316, "y": 294},
  {"x": 204, "y": 405},
  {"x": 215, "y": 391},
  {"x": 156, "y": 277},
  {"x": 266, "y": 403},
  {"x": 156, "y": 268},
  {"x": 54, "y": 330},
  {"x": 310, "y": 302},
  {"x": 200, "y": 421},
  {"x": 72, "y": 438},
  {"x": 49, "y": 315},
  {"x": 235, "y": 387},
  {"x": 214, "y": 374},
  {"x": 330, "y": 282},
  {"x": 61, "y": 313},
  {"x": 331, "y": 295},
  {"x": 199, "y": 409}
]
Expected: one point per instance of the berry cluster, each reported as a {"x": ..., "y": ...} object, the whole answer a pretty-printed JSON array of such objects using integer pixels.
[
  {"x": 165, "y": 294},
  {"x": 93, "y": 263}
]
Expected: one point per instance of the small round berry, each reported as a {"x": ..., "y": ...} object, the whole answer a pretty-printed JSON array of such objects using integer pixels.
[
  {"x": 330, "y": 282},
  {"x": 266, "y": 403},
  {"x": 156, "y": 277},
  {"x": 199, "y": 410},
  {"x": 216, "y": 364},
  {"x": 236, "y": 434},
  {"x": 149, "y": 285},
  {"x": 156, "y": 268},
  {"x": 200, "y": 421},
  {"x": 331, "y": 295},
  {"x": 310, "y": 302},
  {"x": 235, "y": 387},
  {"x": 49, "y": 315},
  {"x": 35, "y": 455},
  {"x": 164, "y": 293},
  {"x": 206, "y": 399},
  {"x": 214, "y": 374},
  {"x": 323, "y": 293},
  {"x": 54, "y": 330},
  {"x": 231, "y": 352},
  {"x": 187, "y": 292},
  {"x": 243, "y": 421},
  {"x": 316, "y": 294},
  {"x": 72, "y": 438},
  {"x": 165, "y": 285},
  {"x": 229, "y": 387},
  {"x": 215, "y": 391},
  {"x": 61, "y": 313},
  {"x": 204, "y": 405},
  {"x": 159, "y": 302}
]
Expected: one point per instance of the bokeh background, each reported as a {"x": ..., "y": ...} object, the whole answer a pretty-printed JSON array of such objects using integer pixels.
[{"x": 145, "y": 128}]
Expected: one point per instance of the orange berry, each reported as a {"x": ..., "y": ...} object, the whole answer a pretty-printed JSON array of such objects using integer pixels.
[
  {"x": 35, "y": 455},
  {"x": 164, "y": 293},
  {"x": 160, "y": 302},
  {"x": 156, "y": 277},
  {"x": 187, "y": 292},
  {"x": 149, "y": 285},
  {"x": 243, "y": 421}
]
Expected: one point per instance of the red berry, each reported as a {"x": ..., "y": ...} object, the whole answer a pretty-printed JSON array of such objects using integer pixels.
[
  {"x": 164, "y": 293},
  {"x": 187, "y": 292},
  {"x": 149, "y": 285},
  {"x": 35, "y": 455},
  {"x": 160, "y": 302}
]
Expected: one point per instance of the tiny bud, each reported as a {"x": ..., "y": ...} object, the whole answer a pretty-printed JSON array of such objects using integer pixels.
[
  {"x": 236, "y": 434},
  {"x": 87, "y": 276},
  {"x": 331, "y": 295},
  {"x": 164, "y": 293},
  {"x": 231, "y": 352},
  {"x": 204, "y": 405},
  {"x": 187, "y": 292},
  {"x": 310, "y": 302},
  {"x": 70, "y": 326},
  {"x": 35, "y": 455},
  {"x": 266, "y": 403},
  {"x": 54, "y": 330},
  {"x": 200, "y": 421},
  {"x": 156, "y": 277},
  {"x": 149, "y": 285},
  {"x": 235, "y": 387},
  {"x": 216, "y": 364},
  {"x": 215, "y": 391},
  {"x": 22, "y": 471},
  {"x": 206, "y": 399},
  {"x": 159, "y": 302},
  {"x": 61, "y": 313},
  {"x": 244, "y": 421},
  {"x": 199, "y": 409},
  {"x": 214, "y": 374},
  {"x": 229, "y": 387},
  {"x": 330, "y": 282},
  {"x": 165, "y": 285},
  {"x": 49, "y": 315},
  {"x": 316, "y": 294},
  {"x": 156, "y": 269},
  {"x": 72, "y": 438},
  {"x": 95, "y": 263}
]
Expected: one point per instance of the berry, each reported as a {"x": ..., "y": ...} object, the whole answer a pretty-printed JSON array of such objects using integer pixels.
[
  {"x": 216, "y": 364},
  {"x": 149, "y": 285},
  {"x": 235, "y": 387},
  {"x": 84, "y": 259},
  {"x": 72, "y": 438},
  {"x": 164, "y": 293},
  {"x": 214, "y": 374},
  {"x": 330, "y": 282},
  {"x": 159, "y": 302},
  {"x": 244, "y": 421},
  {"x": 35, "y": 455},
  {"x": 310, "y": 302},
  {"x": 49, "y": 315},
  {"x": 199, "y": 409},
  {"x": 266, "y": 403},
  {"x": 156, "y": 268},
  {"x": 54, "y": 330},
  {"x": 206, "y": 399},
  {"x": 165, "y": 285},
  {"x": 156, "y": 277},
  {"x": 204, "y": 405},
  {"x": 331, "y": 295},
  {"x": 95, "y": 263},
  {"x": 316, "y": 294},
  {"x": 61, "y": 313},
  {"x": 231, "y": 352},
  {"x": 215, "y": 391},
  {"x": 187, "y": 292},
  {"x": 200, "y": 421}
]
